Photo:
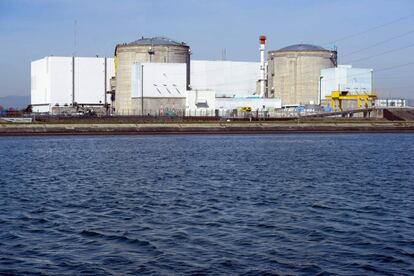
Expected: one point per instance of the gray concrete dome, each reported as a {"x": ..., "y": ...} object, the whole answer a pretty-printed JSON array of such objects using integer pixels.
[
  {"x": 158, "y": 40},
  {"x": 302, "y": 47},
  {"x": 147, "y": 50},
  {"x": 294, "y": 71}
]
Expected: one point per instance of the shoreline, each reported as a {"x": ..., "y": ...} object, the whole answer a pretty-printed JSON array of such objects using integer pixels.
[{"x": 205, "y": 128}]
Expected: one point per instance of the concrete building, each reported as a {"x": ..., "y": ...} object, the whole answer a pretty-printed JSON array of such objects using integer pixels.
[
  {"x": 224, "y": 106},
  {"x": 146, "y": 50},
  {"x": 294, "y": 73},
  {"x": 149, "y": 76},
  {"x": 206, "y": 103},
  {"x": 155, "y": 88},
  {"x": 391, "y": 102},
  {"x": 226, "y": 78},
  {"x": 69, "y": 81},
  {"x": 220, "y": 87},
  {"x": 346, "y": 78},
  {"x": 158, "y": 87},
  {"x": 200, "y": 103}
]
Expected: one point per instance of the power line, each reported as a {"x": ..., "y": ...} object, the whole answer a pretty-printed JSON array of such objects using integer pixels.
[
  {"x": 396, "y": 77},
  {"x": 383, "y": 53},
  {"x": 369, "y": 30},
  {"x": 307, "y": 81},
  {"x": 75, "y": 25},
  {"x": 394, "y": 87},
  {"x": 378, "y": 43},
  {"x": 394, "y": 67}
]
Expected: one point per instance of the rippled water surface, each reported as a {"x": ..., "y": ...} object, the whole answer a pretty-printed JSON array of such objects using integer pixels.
[{"x": 255, "y": 204}]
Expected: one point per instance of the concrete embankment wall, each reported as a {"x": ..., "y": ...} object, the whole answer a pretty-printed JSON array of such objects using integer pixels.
[
  {"x": 399, "y": 114},
  {"x": 205, "y": 128}
]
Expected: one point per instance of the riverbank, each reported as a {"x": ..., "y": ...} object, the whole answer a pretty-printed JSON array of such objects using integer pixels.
[{"x": 203, "y": 128}]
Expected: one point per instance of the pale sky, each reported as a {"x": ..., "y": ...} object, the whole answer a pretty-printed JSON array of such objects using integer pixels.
[{"x": 376, "y": 34}]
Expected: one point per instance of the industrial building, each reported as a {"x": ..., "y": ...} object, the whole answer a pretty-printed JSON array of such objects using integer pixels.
[
  {"x": 226, "y": 78},
  {"x": 70, "y": 81},
  {"x": 294, "y": 73},
  {"x": 137, "y": 61},
  {"x": 206, "y": 103},
  {"x": 146, "y": 51},
  {"x": 345, "y": 87},
  {"x": 229, "y": 88},
  {"x": 390, "y": 102},
  {"x": 154, "y": 88},
  {"x": 155, "y": 76},
  {"x": 346, "y": 78}
]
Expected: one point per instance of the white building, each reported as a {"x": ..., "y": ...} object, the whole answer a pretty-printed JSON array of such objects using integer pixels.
[
  {"x": 345, "y": 78},
  {"x": 155, "y": 87},
  {"x": 200, "y": 103},
  {"x": 224, "y": 105},
  {"x": 390, "y": 103},
  {"x": 219, "y": 87},
  {"x": 226, "y": 78},
  {"x": 63, "y": 81},
  {"x": 158, "y": 80},
  {"x": 205, "y": 103}
]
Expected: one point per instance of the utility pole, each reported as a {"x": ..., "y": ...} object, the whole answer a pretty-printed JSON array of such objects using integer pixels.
[
  {"x": 74, "y": 36},
  {"x": 105, "y": 88},
  {"x": 320, "y": 89},
  {"x": 142, "y": 90},
  {"x": 73, "y": 80}
]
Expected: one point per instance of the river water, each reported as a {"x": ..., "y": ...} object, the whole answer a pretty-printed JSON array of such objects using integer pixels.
[{"x": 219, "y": 204}]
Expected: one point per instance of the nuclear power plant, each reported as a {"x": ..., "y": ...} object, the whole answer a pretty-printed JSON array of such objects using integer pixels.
[{"x": 156, "y": 76}]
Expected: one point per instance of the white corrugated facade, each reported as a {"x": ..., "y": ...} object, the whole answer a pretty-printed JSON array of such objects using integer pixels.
[
  {"x": 261, "y": 104},
  {"x": 345, "y": 78},
  {"x": 52, "y": 81},
  {"x": 226, "y": 78},
  {"x": 158, "y": 80},
  {"x": 200, "y": 103},
  {"x": 390, "y": 102}
]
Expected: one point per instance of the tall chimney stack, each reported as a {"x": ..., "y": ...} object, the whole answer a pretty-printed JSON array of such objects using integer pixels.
[{"x": 262, "y": 79}]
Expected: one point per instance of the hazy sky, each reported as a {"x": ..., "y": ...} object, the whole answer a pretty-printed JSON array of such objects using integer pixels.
[{"x": 32, "y": 29}]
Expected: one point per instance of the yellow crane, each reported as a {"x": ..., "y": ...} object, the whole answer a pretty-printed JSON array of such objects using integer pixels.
[
  {"x": 339, "y": 96},
  {"x": 245, "y": 109}
]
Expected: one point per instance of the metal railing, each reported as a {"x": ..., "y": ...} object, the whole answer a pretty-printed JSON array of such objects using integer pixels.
[{"x": 166, "y": 115}]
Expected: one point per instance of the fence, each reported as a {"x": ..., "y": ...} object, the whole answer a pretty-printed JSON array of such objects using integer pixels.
[{"x": 166, "y": 115}]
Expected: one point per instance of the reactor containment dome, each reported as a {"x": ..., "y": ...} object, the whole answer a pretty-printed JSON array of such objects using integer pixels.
[
  {"x": 145, "y": 50},
  {"x": 294, "y": 73}
]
